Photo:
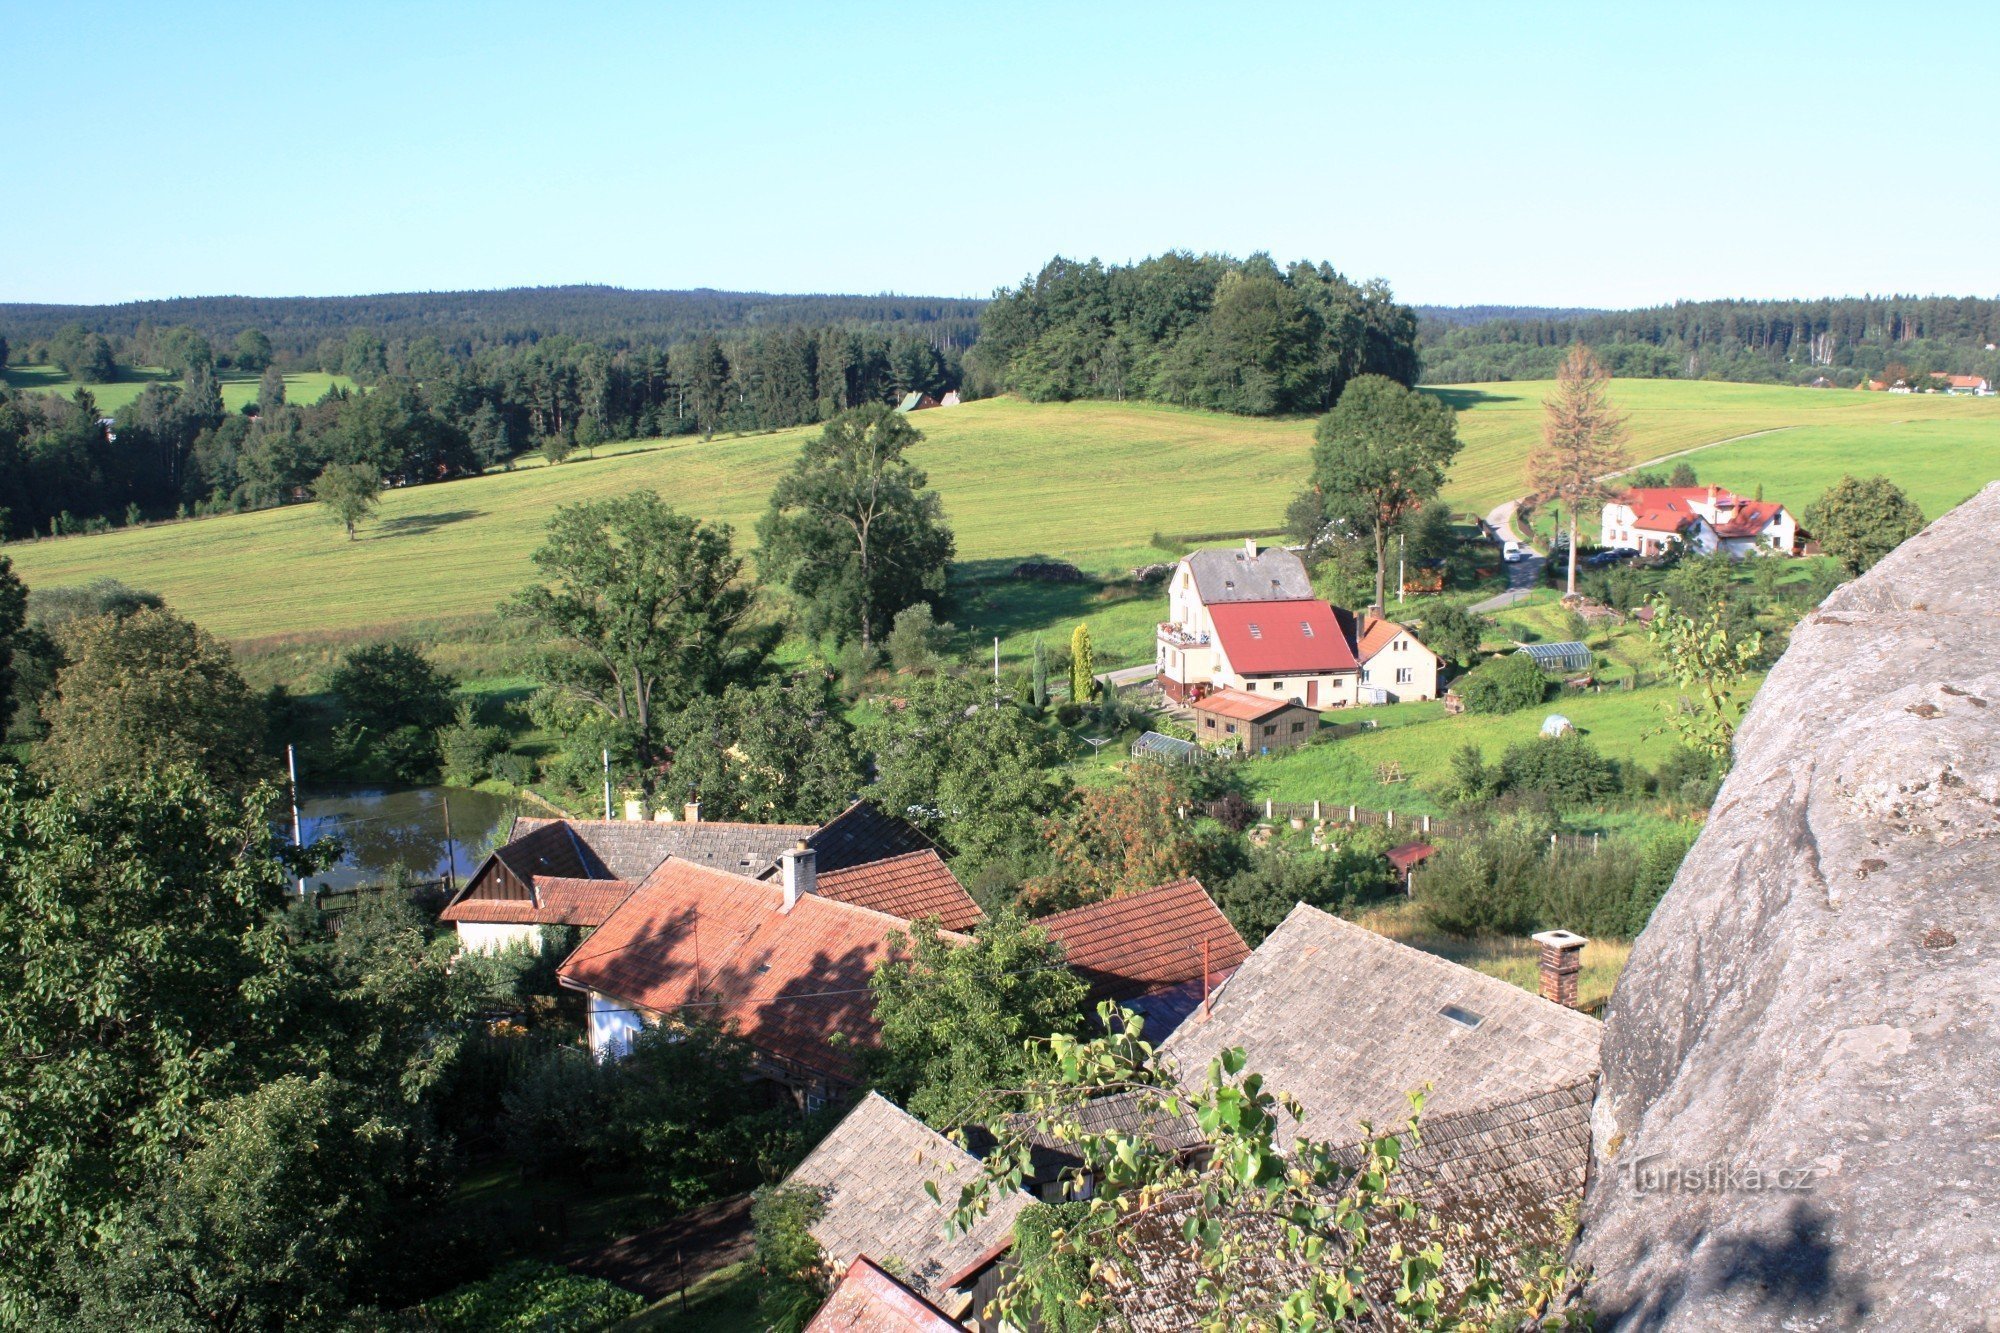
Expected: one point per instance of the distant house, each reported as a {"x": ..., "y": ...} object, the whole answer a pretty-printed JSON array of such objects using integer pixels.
[
  {"x": 1972, "y": 384},
  {"x": 916, "y": 402},
  {"x": 1246, "y": 619},
  {"x": 870, "y": 1174},
  {"x": 1702, "y": 519},
  {"x": 950, "y": 399},
  {"x": 1394, "y": 660},
  {"x": 1254, "y": 723}
]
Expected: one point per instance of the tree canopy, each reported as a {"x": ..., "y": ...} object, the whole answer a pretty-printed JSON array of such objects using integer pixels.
[
  {"x": 1583, "y": 441},
  {"x": 1858, "y": 521},
  {"x": 777, "y": 753},
  {"x": 851, "y": 528},
  {"x": 1379, "y": 456}
]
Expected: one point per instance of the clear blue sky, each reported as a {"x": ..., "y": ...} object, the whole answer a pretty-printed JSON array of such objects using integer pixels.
[{"x": 1601, "y": 154}]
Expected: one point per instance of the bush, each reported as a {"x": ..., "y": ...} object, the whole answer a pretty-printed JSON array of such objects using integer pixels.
[
  {"x": 533, "y": 1298},
  {"x": 1505, "y": 685},
  {"x": 1509, "y": 880},
  {"x": 1567, "y": 769},
  {"x": 787, "y": 1257},
  {"x": 387, "y": 686},
  {"x": 1232, "y": 810},
  {"x": 516, "y": 770},
  {"x": 469, "y": 749},
  {"x": 917, "y": 640},
  {"x": 1257, "y": 898},
  {"x": 555, "y": 1119},
  {"x": 1470, "y": 780}
]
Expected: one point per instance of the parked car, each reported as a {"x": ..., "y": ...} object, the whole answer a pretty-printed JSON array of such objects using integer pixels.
[{"x": 1515, "y": 552}]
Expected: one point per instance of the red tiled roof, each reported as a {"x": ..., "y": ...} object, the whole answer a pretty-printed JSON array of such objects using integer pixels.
[
  {"x": 868, "y": 1300},
  {"x": 1965, "y": 381},
  {"x": 1272, "y": 638},
  {"x": 720, "y": 945},
  {"x": 558, "y": 901},
  {"x": 1379, "y": 635},
  {"x": 1410, "y": 854},
  {"x": 913, "y": 885},
  {"x": 1751, "y": 517},
  {"x": 1140, "y": 942},
  {"x": 1663, "y": 508},
  {"x": 1242, "y": 706}
]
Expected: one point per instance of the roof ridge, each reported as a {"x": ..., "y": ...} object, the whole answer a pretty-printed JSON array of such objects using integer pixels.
[
  {"x": 1182, "y": 882},
  {"x": 737, "y": 882}
]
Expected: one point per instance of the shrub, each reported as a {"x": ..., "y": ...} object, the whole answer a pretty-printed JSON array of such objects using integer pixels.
[
  {"x": 917, "y": 640},
  {"x": 469, "y": 749},
  {"x": 1470, "y": 780},
  {"x": 555, "y": 1118},
  {"x": 387, "y": 685},
  {"x": 516, "y": 770},
  {"x": 787, "y": 1257},
  {"x": 1257, "y": 898},
  {"x": 1232, "y": 810},
  {"x": 1567, "y": 769},
  {"x": 1054, "y": 1280},
  {"x": 1505, "y": 685},
  {"x": 533, "y": 1298}
]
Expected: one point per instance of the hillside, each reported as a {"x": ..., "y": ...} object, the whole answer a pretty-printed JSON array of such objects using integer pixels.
[
  {"x": 238, "y": 390},
  {"x": 1087, "y": 482}
]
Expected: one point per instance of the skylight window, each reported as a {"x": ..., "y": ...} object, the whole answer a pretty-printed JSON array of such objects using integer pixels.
[
  {"x": 1465, "y": 1018},
  {"x": 1305, "y": 628},
  {"x": 1256, "y": 632}
]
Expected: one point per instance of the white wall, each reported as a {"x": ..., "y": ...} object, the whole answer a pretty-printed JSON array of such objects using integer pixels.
[
  {"x": 613, "y": 1025},
  {"x": 487, "y": 937}
]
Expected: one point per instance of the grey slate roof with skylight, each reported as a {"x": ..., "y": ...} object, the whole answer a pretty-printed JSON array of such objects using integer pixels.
[{"x": 1231, "y": 574}]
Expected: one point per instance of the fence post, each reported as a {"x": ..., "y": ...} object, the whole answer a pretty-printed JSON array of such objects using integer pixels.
[
  {"x": 1427, "y": 823},
  {"x": 1350, "y": 814},
  {"x": 1267, "y": 809},
  {"x": 1315, "y": 811},
  {"x": 1389, "y": 817}
]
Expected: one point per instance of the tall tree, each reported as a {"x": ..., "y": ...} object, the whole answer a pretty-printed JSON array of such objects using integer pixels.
[
  {"x": 781, "y": 753},
  {"x": 643, "y": 610},
  {"x": 270, "y": 391},
  {"x": 349, "y": 492},
  {"x": 851, "y": 528},
  {"x": 13, "y": 620},
  {"x": 1082, "y": 664},
  {"x": 1380, "y": 455},
  {"x": 708, "y": 385},
  {"x": 146, "y": 691},
  {"x": 1857, "y": 522},
  {"x": 1583, "y": 441}
]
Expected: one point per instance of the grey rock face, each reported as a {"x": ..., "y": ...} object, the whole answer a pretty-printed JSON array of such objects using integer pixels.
[{"x": 1798, "y": 1123}]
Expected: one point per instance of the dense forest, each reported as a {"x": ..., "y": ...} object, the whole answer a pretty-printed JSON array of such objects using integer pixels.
[
  {"x": 299, "y": 327},
  {"x": 1195, "y": 330},
  {"x": 424, "y": 413},
  {"x": 1842, "y": 339}
]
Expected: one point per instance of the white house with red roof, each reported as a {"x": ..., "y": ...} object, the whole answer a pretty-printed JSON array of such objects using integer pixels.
[
  {"x": 1703, "y": 519},
  {"x": 1394, "y": 661},
  {"x": 1246, "y": 619}
]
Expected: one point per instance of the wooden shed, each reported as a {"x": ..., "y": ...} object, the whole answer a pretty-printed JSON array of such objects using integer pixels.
[{"x": 1256, "y": 723}]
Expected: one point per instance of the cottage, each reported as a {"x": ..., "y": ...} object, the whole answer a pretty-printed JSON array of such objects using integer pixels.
[
  {"x": 1972, "y": 384},
  {"x": 870, "y": 1174},
  {"x": 1255, "y": 724},
  {"x": 1703, "y": 519},
  {"x": 1247, "y": 619},
  {"x": 1394, "y": 660},
  {"x": 916, "y": 401}
]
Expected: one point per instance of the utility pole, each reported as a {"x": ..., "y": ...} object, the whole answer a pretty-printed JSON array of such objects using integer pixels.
[
  {"x": 996, "y": 671},
  {"x": 450, "y": 852},
  {"x": 607, "y": 784},
  {"x": 292, "y": 768},
  {"x": 1400, "y": 546}
]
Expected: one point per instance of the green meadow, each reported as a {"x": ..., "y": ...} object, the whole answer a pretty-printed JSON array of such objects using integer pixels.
[
  {"x": 1092, "y": 483},
  {"x": 238, "y": 391}
]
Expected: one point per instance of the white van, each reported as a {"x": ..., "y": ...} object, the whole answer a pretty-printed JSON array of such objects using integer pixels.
[{"x": 1514, "y": 551}]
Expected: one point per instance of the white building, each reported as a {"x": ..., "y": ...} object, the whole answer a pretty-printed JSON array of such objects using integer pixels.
[{"x": 1703, "y": 519}]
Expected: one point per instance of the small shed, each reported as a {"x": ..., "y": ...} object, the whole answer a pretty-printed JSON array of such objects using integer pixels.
[
  {"x": 1255, "y": 722},
  {"x": 916, "y": 402},
  {"x": 1559, "y": 659},
  {"x": 1408, "y": 857},
  {"x": 1555, "y": 724},
  {"x": 1171, "y": 749}
]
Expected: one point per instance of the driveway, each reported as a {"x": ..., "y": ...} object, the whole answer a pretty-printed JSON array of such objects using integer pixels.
[{"x": 1523, "y": 576}]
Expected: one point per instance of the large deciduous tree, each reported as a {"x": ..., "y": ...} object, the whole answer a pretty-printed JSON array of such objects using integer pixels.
[
  {"x": 1118, "y": 839},
  {"x": 13, "y": 620},
  {"x": 1857, "y": 522},
  {"x": 851, "y": 528},
  {"x": 956, "y": 1018},
  {"x": 779, "y": 753},
  {"x": 1583, "y": 440},
  {"x": 643, "y": 610},
  {"x": 1378, "y": 456},
  {"x": 144, "y": 691},
  {"x": 350, "y": 492}
]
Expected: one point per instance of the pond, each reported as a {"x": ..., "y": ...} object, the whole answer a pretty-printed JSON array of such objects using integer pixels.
[{"x": 384, "y": 829}]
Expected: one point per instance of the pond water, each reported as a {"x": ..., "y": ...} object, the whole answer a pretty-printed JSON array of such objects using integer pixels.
[{"x": 383, "y": 829}]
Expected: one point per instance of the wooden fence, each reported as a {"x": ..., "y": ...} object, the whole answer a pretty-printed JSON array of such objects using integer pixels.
[{"x": 1416, "y": 827}]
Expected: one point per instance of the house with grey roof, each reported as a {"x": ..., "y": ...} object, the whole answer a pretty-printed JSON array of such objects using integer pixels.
[
  {"x": 870, "y": 1174},
  {"x": 1245, "y": 618}
]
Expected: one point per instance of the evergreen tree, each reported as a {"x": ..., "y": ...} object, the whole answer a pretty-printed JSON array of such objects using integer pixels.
[
  {"x": 1082, "y": 665},
  {"x": 270, "y": 391}
]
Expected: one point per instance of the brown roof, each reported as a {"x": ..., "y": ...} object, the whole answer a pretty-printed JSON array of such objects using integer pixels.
[
  {"x": 1142, "y": 942},
  {"x": 630, "y": 848},
  {"x": 1379, "y": 635},
  {"x": 916, "y": 884},
  {"x": 1239, "y": 704},
  {"x": 870, "y": 1173},
  {"x": 1410, "y": 854},
  {"x": 558, "y": 901},
  {"x": 789, "y": 982},
  {"x": 869, "y": 1300},
  {"x": 1349, "y": 1021}
]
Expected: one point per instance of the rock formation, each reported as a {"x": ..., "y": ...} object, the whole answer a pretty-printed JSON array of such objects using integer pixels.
[{"x": 1799, "y": 1118}]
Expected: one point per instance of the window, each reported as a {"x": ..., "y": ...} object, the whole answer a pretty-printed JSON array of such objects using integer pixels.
[
  {"x": 1305, "y": 628},
  {"x": 1231, "y": 728},
  {"x": 1208, "y": 722},
  {"x": 1256, "y": 630},
  {"x": 1463, "y": 1017},
  {"x": 1298, "y": 727},
  {"x": 1404, "y": 675},
  {"x": 1249, "y": 684},
  {"x": 1271, "y": 730},
  {"x": 1364, "y": 675}
]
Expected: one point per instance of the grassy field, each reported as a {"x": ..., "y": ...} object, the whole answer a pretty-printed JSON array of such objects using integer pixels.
[
  {"x": 1087, "y": 482},
  {"x": 1509, "y": 958},
  {"x": 237, "y": 390},
  {"x": 1501, "y": 425}
]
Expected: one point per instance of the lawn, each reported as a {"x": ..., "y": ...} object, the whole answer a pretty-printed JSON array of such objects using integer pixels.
[
  {"x": 1508, "y": 957},
  {"x": 237, "y": 390},
  {"x": 1092, "y": 483}
]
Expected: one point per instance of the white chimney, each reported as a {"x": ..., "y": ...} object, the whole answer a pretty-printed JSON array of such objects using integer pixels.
[
  {"x": 801, "y": 874},
  {"x": 1249, "y": 548},
  {"x": 692, "y": 812}
]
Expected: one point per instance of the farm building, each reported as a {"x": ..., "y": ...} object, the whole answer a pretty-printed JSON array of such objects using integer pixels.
[
  {"x": 1256, "y": 723},
  {"x": 1559, "y": 659}
]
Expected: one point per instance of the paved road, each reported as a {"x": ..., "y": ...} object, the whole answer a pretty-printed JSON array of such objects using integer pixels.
[
  {"x": 1124, "y": 676},
  {"x": 1523, "y": 576}
]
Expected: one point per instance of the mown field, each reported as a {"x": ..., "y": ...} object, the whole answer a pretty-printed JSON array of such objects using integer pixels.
[
  {"x": 237, "y": 390},
  {"x": 1087, "y": 482}
]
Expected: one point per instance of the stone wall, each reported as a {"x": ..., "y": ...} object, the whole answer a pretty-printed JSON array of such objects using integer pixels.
[{"x": 1799, "y": 1117}]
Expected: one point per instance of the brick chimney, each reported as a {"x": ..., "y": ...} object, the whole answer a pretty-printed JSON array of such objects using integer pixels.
[
  {"x": 799, "y": 865},
  {"x": 691, "y": 812},
  {"x": 1562, "y": 960}
]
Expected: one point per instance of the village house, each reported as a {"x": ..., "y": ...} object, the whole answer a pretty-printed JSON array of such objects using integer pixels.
[
  {"x": 1246, "y": 619},
  {"x": 1701, "y": 519},
  {"x": 1972, "y": 384},
  {"x": 1395, "y": 665}
]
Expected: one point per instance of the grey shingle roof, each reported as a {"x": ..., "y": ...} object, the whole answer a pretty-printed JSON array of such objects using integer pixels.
[
  {"x": 1230, "y": 574},
  {"x": 1348, "y": 1022},
  {"x": 632, "y": 849},
  {"x": 870, "y": 1172}
]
